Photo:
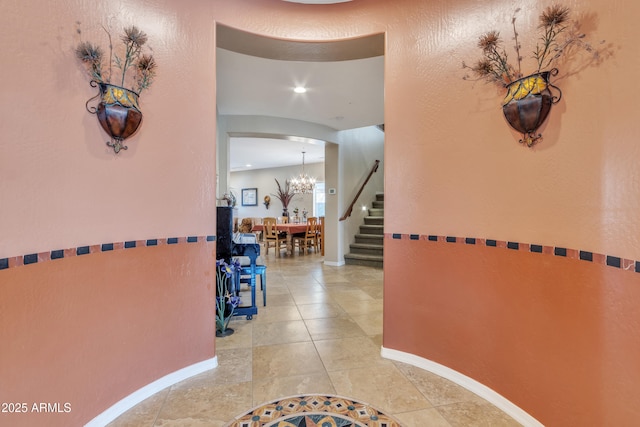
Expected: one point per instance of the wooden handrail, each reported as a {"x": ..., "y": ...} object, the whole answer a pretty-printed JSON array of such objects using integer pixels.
[{"x": 347, "y": 213}]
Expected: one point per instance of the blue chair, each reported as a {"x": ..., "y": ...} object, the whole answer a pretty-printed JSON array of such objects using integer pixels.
[
  {"x": 260, "y": 270},
  {"x": 251, "y": 265},
  {"x": 247, "y": 252}
]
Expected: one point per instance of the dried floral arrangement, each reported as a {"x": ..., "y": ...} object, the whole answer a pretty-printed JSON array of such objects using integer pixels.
[
  {"x": 560, "y": 36},
  {"x": 285, "y": 195},
  {"x": 101, "y": 69},
  {"x": 529, "y": 96}
]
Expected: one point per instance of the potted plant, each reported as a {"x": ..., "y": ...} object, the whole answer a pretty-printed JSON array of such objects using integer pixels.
[
  {"x": 226, "y": 301},
  {"x": 528, "y": 97},
  {"x": 118, "y": 111},
  {"x": 285, "y": 196}
]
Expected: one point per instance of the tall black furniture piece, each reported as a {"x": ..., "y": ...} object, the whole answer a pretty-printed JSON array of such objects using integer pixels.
[{"x": 224, "y": 233}]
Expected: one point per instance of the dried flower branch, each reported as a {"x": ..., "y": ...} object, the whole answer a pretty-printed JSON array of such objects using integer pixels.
[
  {"x": 284, "y": 195},
  {"x": 551, "y": 22},
  {"x": 91, "y": 56},
  {"x": 146, "y": 72},
  {"x": 134, "y": 40},
  {"x": 559, "y": 34}
]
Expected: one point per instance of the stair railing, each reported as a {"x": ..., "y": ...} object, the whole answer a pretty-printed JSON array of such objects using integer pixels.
[{"x": 347, "y": 213}]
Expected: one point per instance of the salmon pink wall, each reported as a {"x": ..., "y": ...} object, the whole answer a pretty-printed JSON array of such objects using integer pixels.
[
  {"x": 92, "y": 329},
  {"x": 558, "y": 336},
  {"x": 89, "y": 330},
  {"x": 63, "y": 185},
  {"x": 465, "y": 174}
]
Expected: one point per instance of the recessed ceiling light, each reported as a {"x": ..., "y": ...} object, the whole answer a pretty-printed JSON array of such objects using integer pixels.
[
  {"x": 300, "y": 89},
  {"x": 247, "y": 165}
]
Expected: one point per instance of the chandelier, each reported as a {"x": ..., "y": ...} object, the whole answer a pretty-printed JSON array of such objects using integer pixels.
[{"x": 302, "y": 183}]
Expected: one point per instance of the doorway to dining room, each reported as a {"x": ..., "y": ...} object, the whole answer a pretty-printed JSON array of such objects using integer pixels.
[{"x": 344, "y": 99}]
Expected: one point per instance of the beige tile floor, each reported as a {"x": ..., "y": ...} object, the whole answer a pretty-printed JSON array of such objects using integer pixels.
[{"x": 321, "y": 332}]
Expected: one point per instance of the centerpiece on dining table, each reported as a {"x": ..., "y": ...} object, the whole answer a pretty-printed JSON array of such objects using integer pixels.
[{"x": 285, "y": 195}]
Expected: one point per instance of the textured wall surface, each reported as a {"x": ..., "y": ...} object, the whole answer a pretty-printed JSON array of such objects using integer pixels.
[
  {"x": 89, "y": 330},
  {"x": 557, "y": 336},
  {"x": 92, "y": 329}
]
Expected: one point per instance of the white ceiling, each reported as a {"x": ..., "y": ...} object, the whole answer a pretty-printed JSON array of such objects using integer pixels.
[{"x": 340, "y": 94}]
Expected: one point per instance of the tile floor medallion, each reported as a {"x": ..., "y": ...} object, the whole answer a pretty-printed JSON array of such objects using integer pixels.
[{"x": 314, "y": 411}]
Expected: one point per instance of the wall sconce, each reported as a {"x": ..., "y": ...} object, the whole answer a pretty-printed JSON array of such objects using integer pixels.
[
  {"x": 118, "y": 113},
  {"x": 118, "y": 110},
  {"x": 528, "y": 103},
  {"x": 529, "y": 97}
]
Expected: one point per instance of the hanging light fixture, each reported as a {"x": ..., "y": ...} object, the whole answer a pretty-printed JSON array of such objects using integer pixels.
[{"x": 302, "y": 183}]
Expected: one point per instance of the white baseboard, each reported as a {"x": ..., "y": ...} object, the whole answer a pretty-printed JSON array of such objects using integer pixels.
[
  {"x": 462, "y": 380},
  {"x": 335, "y": 264},
  {"x": 149, "y": 390}
]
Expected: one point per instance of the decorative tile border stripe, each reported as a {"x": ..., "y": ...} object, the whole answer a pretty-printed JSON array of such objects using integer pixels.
[
  {"x": 53, "y": 255},
  {"x": 608, "y": 260}
]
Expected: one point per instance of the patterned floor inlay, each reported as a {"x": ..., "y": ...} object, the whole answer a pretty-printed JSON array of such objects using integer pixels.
[{"x": 314, "y": 411}]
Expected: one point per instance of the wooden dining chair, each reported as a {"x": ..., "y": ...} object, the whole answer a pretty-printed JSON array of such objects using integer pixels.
[
  {"x": 257, "y": 233},
  {"x": 272, "y": 237},
  {"x": 321, "y": 234},
  {"x": 308, "y": 239}
]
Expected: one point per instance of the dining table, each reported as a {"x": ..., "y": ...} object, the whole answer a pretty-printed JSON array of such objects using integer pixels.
[{"x": 289, "y": 228}]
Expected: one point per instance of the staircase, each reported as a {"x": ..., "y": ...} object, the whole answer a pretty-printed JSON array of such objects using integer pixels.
[{"x": 367, "y": 250}]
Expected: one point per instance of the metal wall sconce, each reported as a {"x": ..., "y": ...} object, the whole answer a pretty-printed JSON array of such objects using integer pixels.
[
  {"x": 528, "y": 103},
  {"x": 118, "y": 113}
]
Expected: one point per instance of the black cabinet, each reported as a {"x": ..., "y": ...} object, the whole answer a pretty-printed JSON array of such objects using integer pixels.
[{"x": 224, "y": 233}]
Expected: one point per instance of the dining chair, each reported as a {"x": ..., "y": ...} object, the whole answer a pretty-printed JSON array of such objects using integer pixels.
[
  {"x": 309, "y": 238},
  {"x": 255, "y": 221},
  {"x": 283, "y": 220},
  {"x": 272, "y": 237},
  {"x": 321, "y": 234},
  {"x": 245, "y": 274}
]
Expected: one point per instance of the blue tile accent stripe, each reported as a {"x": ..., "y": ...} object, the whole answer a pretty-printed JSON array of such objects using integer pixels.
[
  {"x": 608, "y": 260},
  {"x": 560, "y": 251},
  {"x": 586, "y": 256},
  {"x": 31, "y": 259},
  {"x": 53, "y": 255},
  {"x": 613, "y": 261},
  {"x": 536, "y": 248},
  {"x": 57, "y": 254}
]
